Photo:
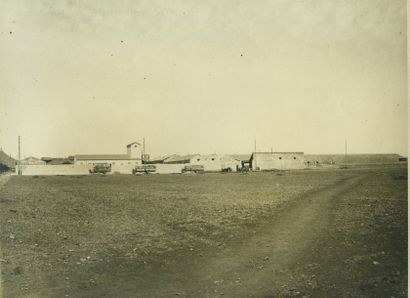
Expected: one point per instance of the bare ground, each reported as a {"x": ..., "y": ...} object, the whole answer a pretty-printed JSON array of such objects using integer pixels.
[{"x": 302, "y": 234}]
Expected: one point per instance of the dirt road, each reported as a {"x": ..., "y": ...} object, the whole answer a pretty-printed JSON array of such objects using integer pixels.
[
  {"x": 335, "y": 233},
  {"x": 258, "y": 264},
  {"x": 311, "y": 249}
]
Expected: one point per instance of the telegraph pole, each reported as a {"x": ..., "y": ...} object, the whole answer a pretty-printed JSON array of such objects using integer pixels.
[
  {"x": 19, "y": 158},
  {"x": 345, "y": 152},
  {"x": 254, "y": 155},
  {"x": 143, "y": 151}
]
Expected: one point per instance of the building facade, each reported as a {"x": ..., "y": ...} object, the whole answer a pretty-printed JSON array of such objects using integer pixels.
[
  {"x": 262, "y": 161},
  {"x": 211, "y": 163},
  {"x": 133, "y": 157},
  {"x": 215, "y": 162}
]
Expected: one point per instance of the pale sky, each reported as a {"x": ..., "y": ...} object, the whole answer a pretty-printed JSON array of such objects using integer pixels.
[{"x": 203, "y": 76}]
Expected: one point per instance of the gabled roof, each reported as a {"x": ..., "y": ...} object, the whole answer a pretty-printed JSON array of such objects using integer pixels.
[
  {"x": 103, "y": 157},
  {"x": 133, "y": 144},
  {"x": 31, "y": 158}
]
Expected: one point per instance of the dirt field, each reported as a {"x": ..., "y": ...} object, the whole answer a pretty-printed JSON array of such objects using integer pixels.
[{"x": 329, "y": 233}]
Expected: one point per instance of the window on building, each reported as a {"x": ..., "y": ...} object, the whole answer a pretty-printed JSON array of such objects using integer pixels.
[
  {"x": 294, "y": 157},
  {"x": 198, "y": 159},
  {"x": 280, "y": 157},
  {"x": 213, "y": 158}
]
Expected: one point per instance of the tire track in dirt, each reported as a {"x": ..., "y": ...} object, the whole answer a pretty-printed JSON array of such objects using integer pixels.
[
  {"x": 256, "y": 266},
  {"x": 252, "y": 267}
]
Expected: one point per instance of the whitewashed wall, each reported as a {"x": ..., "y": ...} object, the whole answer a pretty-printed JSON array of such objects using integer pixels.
[
  {"x": 211, "y": 163},
  {"x": 122, "y": 168},
  {"x": 278, "y": 161},
  {"x": 169, "y": 168},
  {"x": 31, "y": 170}
]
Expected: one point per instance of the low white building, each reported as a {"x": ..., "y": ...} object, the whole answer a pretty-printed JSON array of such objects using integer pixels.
[
  {"x": 31, "y": 160},
  {"x": 133, "y": 157},
  {"x": 215, "y": 163},
  {"x": 265, "y": 161}
]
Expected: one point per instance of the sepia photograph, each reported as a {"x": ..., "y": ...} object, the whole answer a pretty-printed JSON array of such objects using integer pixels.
[{"x": 215, "y": 148}]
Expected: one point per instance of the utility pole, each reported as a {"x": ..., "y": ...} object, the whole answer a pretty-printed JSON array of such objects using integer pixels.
[
  {"x": 254, "y": 155},
  {"x": 143, "y": 150},
  {"x": 345, "y": 152},
  {"x": 19, "y": 158}
]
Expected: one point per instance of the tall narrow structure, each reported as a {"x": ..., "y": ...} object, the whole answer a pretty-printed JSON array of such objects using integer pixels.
[
  {"x": 19, "y": 158},
  {"x": 345, "y": 152},
  {"x": 255, "y": 167},
  {"x": 134, "y": 150}
]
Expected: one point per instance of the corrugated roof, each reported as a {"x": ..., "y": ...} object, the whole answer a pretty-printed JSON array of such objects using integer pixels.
[{"x": 103, "y": 157}]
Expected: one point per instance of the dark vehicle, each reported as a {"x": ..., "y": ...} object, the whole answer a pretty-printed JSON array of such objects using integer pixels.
[
  {"x": 226, "y": 170},
  {"x": 101, "y": 168},
  {"x": 144, "y": 169},
  {"x": 193, "y": 169}
]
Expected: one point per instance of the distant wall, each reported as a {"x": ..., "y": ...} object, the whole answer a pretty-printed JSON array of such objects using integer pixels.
[
  {"x": 31, "y": 170},
  {"x": 278, "y": 161},
  {"x": 160, "y": 168},
  {"x": 55, "y": 170},
  {"x": 338, "y": 159},
  {"x": 211, "y": 163},
  {"x": 122, "y": 169},
  {"x": 169, "y": 168}
]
